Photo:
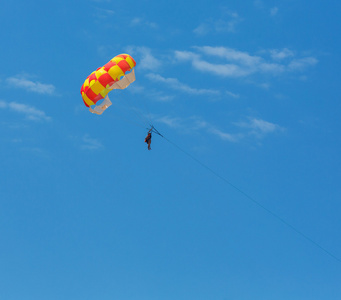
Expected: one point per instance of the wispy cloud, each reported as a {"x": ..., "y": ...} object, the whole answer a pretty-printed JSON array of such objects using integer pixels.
[
  {"x": 259, "y": 128},
  {"x": 31, "y": 86},
  {"x": 196, "y": 124},
  {"x": 160, "y": 96},
  {"x": 227, "y": 23},
  {"x": 302, "y": 63},
  {"x": 176, "y": 84},
  {"x": 152, "y": 93},
  {"x": 252, "y": 127},
  {"x": 202, "y": 29},
  {"x": 228, "y": 62},
  {"x": 30, "y": 112},
  {"x": 104, "y": 12},
  {"x": 258, "y": 3},
  {"x": 103, "y": 16},
  {"x": 224, "y": 135},
  {"x": 143, "y": 22},
  {"x": 186, "y": 125},
  {"x": 277, "y": 54},
  {"x": 147, "y": 61},
  {"x": 273, "y": 11},
  {"x": 233, "y": 95},
  {"x": 172, "y": 122},
  {"x": 3, "y": 104},
  {"x": 88, "y": 143}
]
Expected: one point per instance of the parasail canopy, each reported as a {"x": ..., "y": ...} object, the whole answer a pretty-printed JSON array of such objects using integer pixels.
[{"x": 118, "y": 73}]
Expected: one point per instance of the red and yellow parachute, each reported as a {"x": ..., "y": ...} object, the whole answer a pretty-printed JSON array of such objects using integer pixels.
[{"x": 118, "y": 73}]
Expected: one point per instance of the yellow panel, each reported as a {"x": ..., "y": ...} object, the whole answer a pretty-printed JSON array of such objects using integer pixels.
[
  {"x": 115, "y": 72},
  {"x": 87, "y": 100},
  {"x": 100, "y": 72},
  {"x": 97, "y": 87},
  {"x": 92, "y": 82},
  {"x": 130, "y": 62},
  {"x": 117, "y": 59},
  {"x": 104, "y": 93},
  {"x": 86, "y": 82}
]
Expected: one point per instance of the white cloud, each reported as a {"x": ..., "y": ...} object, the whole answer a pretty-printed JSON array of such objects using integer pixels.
[
  {"x": 30, "y": 112},
  {"x": 151, "y": 93},
  {"x": 231, "y": 55},
  {"x": 176, "y": 84},
  {"x": 227, "y": 23},
  {"x": 302, "y": 63},
  {"x": 224, "y": 135},
  {"x": 103, "y": 12},
  {"x": 258, "y": 3},
  {"x": 202, "y": 29},
  {"x": 253, "y": 127},
  {"x": 273, "y": 11},
  {"x": 225, "y": 70},
  {"x": 146, "y": 60},
  {"x": 160, "y": 96},
  {"x": 227, "y": 62},
  {"x": 3, "y": 104},
  {"x": 31, "y": 86},
  {"x": 172, "y": 122},
  {"x": 90, "y": 143},
  {"x": 281, "y": 54},
  {"x": 143, "y": 22},
  {"x": 263, "y": 126},
  {"x": 259, "y": 127},
  {"x": 196, "y": 124},
  {"x": 233, "y": 95},
  {"x": 186, "y": 55}
]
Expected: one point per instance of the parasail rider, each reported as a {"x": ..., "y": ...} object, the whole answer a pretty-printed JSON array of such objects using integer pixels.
[{"x": 148, "y": 139}]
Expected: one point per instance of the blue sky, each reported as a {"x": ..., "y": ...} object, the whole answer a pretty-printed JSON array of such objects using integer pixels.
[{"x": 251, "y": 89}]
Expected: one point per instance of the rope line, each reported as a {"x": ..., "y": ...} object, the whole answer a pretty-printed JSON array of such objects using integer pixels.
[{"x": 254, "y": 201}]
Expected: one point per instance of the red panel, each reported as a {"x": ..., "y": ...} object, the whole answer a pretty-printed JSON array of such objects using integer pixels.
[
  {"x": 92, "y": 77},
  {"x": 122, "y": 55},
  {"x": 109, "y": 65},
  {"x": 85, "y": 88},
  {"x": 98, "y": 97},
  {"x": 106, "y": 79},
  {"x": 124, "y": 66},
  {"x": 91, "y": 95}
]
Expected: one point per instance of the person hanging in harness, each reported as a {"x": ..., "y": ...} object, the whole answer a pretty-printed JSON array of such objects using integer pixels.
[{"x": 148, "y": 138}]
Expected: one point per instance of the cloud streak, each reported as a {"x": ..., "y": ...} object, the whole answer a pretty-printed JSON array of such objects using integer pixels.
[
  {"x": 31, "y": 86},
  {"x": 252, "y": 127},
  {"x": 30, "y": 112},
  {"x": 226, "y": 24},
  {"x": 147, "y": 61},
  {"x": 228, "y": 62},
  {"x": 91, "y": 144},
  {"x": 142, "y": 22},
  {"x": 273, "y": 11},
  {"x": 259, "y": 128},
  {"x": 177, "y": 85}
]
